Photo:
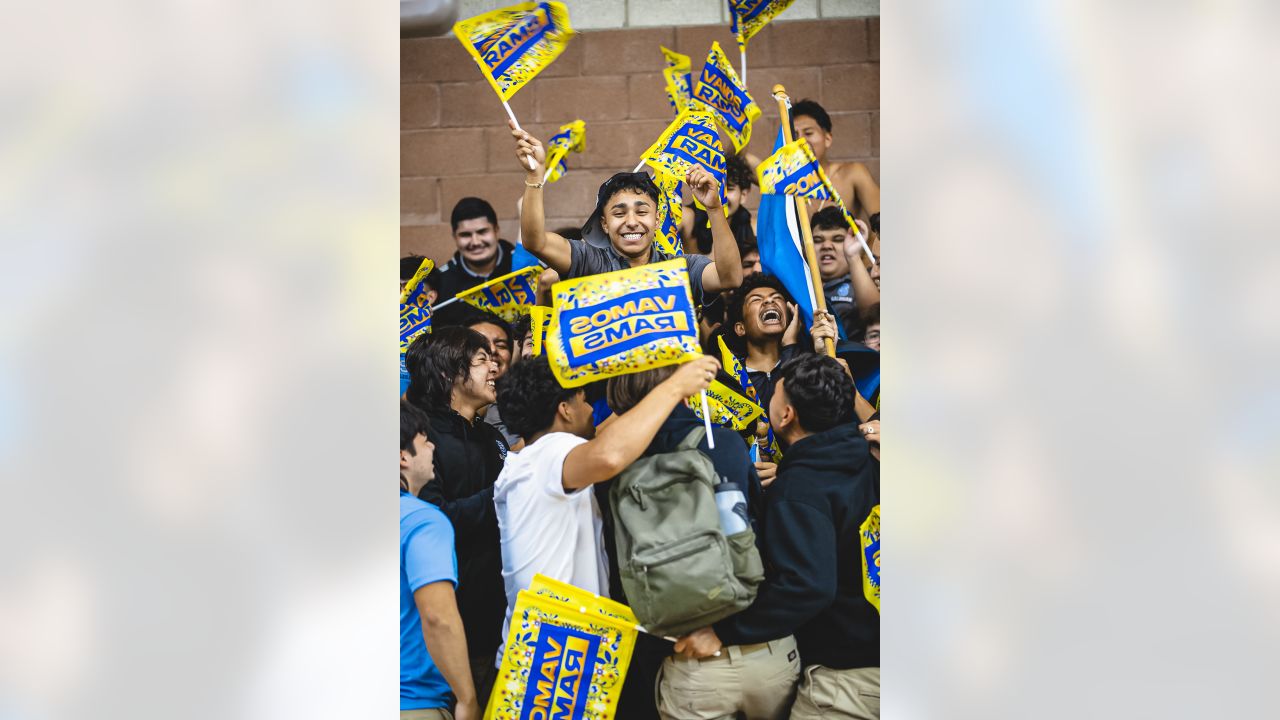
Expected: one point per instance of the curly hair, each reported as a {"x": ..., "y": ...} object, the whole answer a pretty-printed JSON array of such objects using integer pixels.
[
  {"x": 819, "y": 390},
  {"x": 529, "y": 395},
  {"x": 738, "y": 173},
  {"x": 733, "y": 310}
]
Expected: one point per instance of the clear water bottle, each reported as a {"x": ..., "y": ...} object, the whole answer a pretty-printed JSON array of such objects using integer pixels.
[{"x": 732, "y": 505}]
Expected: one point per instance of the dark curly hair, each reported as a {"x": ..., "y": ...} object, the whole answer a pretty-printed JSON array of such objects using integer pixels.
[
  {"x": 819, "y": 390},
  {"x": 413, "y": 422},
  {"x": 438, "y": 360},
  {"x": 733, "y": 310},
  {"x": 528, "y": 396},
  {"x": 738, "y": 173}
]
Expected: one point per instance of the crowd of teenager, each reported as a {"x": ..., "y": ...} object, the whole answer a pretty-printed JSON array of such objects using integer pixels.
[{"x": 505, "y": 474}]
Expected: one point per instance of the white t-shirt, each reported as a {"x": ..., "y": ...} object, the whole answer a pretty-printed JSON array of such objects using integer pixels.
[{"x": 545, "y": 529}]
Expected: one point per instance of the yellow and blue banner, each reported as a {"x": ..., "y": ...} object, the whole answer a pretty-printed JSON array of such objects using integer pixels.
[
  {"x": 571, "y": 138},
  {"x": 415, "y": 321},
  {"x": 514, "y": 44},
  {"x": 794, "y": 170},
  {"x": 509, "y": 296},
  {"x": 565, "y": 659},
  {"x": 750, "y": 16},
  {"x": 670, "y": 211},
  {"x": 621, "y": 322},
  {"x": 691, "y": 139},
  {"x": 869, "y": 534},
  {"x": 415, "y": 290},
  {"x": 539, "y": 319},
  {"x": 734, "y": 367},
  {"x": 720, "y": 89},
  {"x": 727, "y": 407},
  {"x": 678, "y": 75}
]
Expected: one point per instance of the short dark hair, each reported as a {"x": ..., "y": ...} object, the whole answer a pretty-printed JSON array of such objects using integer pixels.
[
  {"x": 438, "y": 360},
  {"x": 528, "y": 396},
  {"x": 819, "y": 390},
  {"x": 473, "y": 316},
  {"x": 733, "y": 310},
  {"x": 811, "y": 109},
  {"x": 520, "y": 328},
  {"x": 626, "y": 391},
  {"x": 871, "y": 316},
  {"x": 738, "y": 173},
  {"x": 470, "y": 208},
  {"x": 829, "y": 218},
  {"x": 413, "y": 422},
  {"x": 635, "y": 181}
]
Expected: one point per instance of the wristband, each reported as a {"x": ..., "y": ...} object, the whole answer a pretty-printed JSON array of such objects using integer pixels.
[{"x": 536, "y": 186}]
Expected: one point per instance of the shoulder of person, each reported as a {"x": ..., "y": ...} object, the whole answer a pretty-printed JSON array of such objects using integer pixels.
[{"x": 416, "y": 512}]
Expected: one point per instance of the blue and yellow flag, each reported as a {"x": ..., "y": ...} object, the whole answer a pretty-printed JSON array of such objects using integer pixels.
[
  {"x": 678, "y": 75},
  {"x": 415, "y": 290},
  {"x": 566, "y": 656},
  {"x": 720, "y": 89},
  {"x": 539, "y": 319},
  {"x": 514, "y": 44},
  {"x": 728, "y": 407},
  {"x": 750, "y": 16},
  {"x": 509, "y": 296},
  {"x": 794, "y": 170},
  {"x": 734, "y": 367},
  {"x": 415, "y": 320},
  {"x": 869, "y": 533},
  {"x": 691, "y": 139},
  {"x": 571, "y": 138},
  {"x": 670, "y": 211},
  {"x": 622, "y": 322}
]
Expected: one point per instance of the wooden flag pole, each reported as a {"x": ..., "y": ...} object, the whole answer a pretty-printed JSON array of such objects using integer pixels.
[
  {"x": 802, "y": 215},
  {"x": 528, "y": 161}
]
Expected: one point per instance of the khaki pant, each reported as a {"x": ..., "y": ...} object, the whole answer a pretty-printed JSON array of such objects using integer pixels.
[
  {"x": 830, "y": 694},
  {"x": 428, "y": 714},
  {"x": 755, "y": 680}
]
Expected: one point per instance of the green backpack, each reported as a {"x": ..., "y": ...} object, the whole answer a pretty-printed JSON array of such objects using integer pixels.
[{"x": 677, "y": 568}]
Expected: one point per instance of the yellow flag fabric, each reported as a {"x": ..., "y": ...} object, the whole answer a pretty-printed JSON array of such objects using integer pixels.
[
  {"x": 415, "y": 291},
  {"x": 621, "y": 322},
  {"x": 539, "y": 318},
  {"x": 561, "y": 661},
  {"x": 750, "y": 16},
  {"x": 691, "y": 139},
  {"x": 415, "y": 320},
  {"x": 869, "y": 532},
  {"x": 794, "y": 170},
  {"x": 571, "y": 138},
  {"x": 576, "y": 597},
  {"x": 734, "y": 367},
  {"x": 670, "y": 211},
  {"x": 727, "y": 407},
  {"x": 678, "y": 78},
  {"x": 720, "y": 90},
  {"x": 514, "y": 44},
  {"x": 509, "y": 296}
]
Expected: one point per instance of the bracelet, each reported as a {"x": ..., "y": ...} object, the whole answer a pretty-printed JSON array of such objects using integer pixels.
[{"x": 538, "y": 185}]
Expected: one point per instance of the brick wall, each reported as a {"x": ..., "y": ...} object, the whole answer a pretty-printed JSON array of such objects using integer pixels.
[{"x": 454, "y": 141}]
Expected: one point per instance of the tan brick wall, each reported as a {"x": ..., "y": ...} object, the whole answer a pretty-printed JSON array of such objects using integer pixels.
[{"x": 454, "y": 142}]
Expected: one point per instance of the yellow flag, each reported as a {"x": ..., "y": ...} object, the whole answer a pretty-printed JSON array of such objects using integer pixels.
[
  {"x": 869, "y": 532},
  {"x": 583, "y": 600},
  {"x": 734, "y": 367},
  {"x": 514, "y": 44},
  {"x": 571, "y": 138},
  {"x": 539, "y": 318},
  {"x": 621, "y": 322},
  {"x": 561, "y": 661},
  {"x": 750, "y": 16},
  {"x": 670, "y": 210},
  {"x": 727, "y": 407},
  {"x": 794, "y": 170},
  {"x": 679, "y": 80},
  {"x": 415, "y": 291},
  {"x": 720, "y": 90},
  {"x": 691, "y": 139},
  {"x": 509, "y": 296},
  {"x": 415, "y": 320}
]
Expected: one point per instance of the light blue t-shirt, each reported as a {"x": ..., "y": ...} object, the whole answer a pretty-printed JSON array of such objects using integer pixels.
[{"x": 426, "y": 556}]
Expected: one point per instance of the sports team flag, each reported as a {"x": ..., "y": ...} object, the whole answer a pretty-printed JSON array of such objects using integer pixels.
[
  {"x": 794, "y": 170},
  {"x": 727, "y": 407},
  {"x": 720, "y": 89},
  {"x": 571, "y": 138},
  {"x": 509, "y": 296},
  {"x": 514, "y": 44},
  {"x": 734, "y": 367},
  {"x": 691, "y": 139},
  {"x": 566, "y": 656},
  {"x": 750, "y": 17},
  {"x": 782, "y": 249},
  {"x": 679, "y": 79},
  {"x": 415, "y": 321},
  {"x": 539, "y": 318},
  {"x": 415, "y": 291},
  {"x": 869, "y": 533},
  {"x": 670, "y": 210},
  {"x": 621, "y": 322}
]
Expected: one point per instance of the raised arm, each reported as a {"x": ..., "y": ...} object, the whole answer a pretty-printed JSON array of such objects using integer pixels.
[
  {"x": 866, "y": 193},
  {"x": 725, "y": 270},
  {"x": 548, "y": 247},
  {"x": 865, "y": 293},
  {"x": 625, "y": 438}
]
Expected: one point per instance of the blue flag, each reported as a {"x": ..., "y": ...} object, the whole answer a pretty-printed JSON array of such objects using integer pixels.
[{"x": 782, "y": 250}]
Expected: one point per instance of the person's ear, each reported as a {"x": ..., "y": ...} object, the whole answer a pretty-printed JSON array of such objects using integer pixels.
[
  {"x": 564, "y": 412},
  {"x": 404, "y": 460},
  {"x": 739, "y": 329}
]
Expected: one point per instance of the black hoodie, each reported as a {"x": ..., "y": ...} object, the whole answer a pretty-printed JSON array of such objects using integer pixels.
[
  {"x": 467, "y": 460},
  {"x": 454, "y": 277},
  {"x": 826, "y": 487}
]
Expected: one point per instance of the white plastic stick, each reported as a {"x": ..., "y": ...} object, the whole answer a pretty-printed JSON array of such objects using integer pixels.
[
  {"x": 528, "y": 161},
  {"x": 450, "y": 301},
  {"x": 743, "y": 53},
  {"x": 638, "y": 167},
  {"x": 865, "y": 248},
  {"x": 706, "y": 420}
]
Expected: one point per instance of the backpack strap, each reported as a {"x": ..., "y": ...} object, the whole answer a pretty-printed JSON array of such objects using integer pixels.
[{"x": 694, "y": 437}]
